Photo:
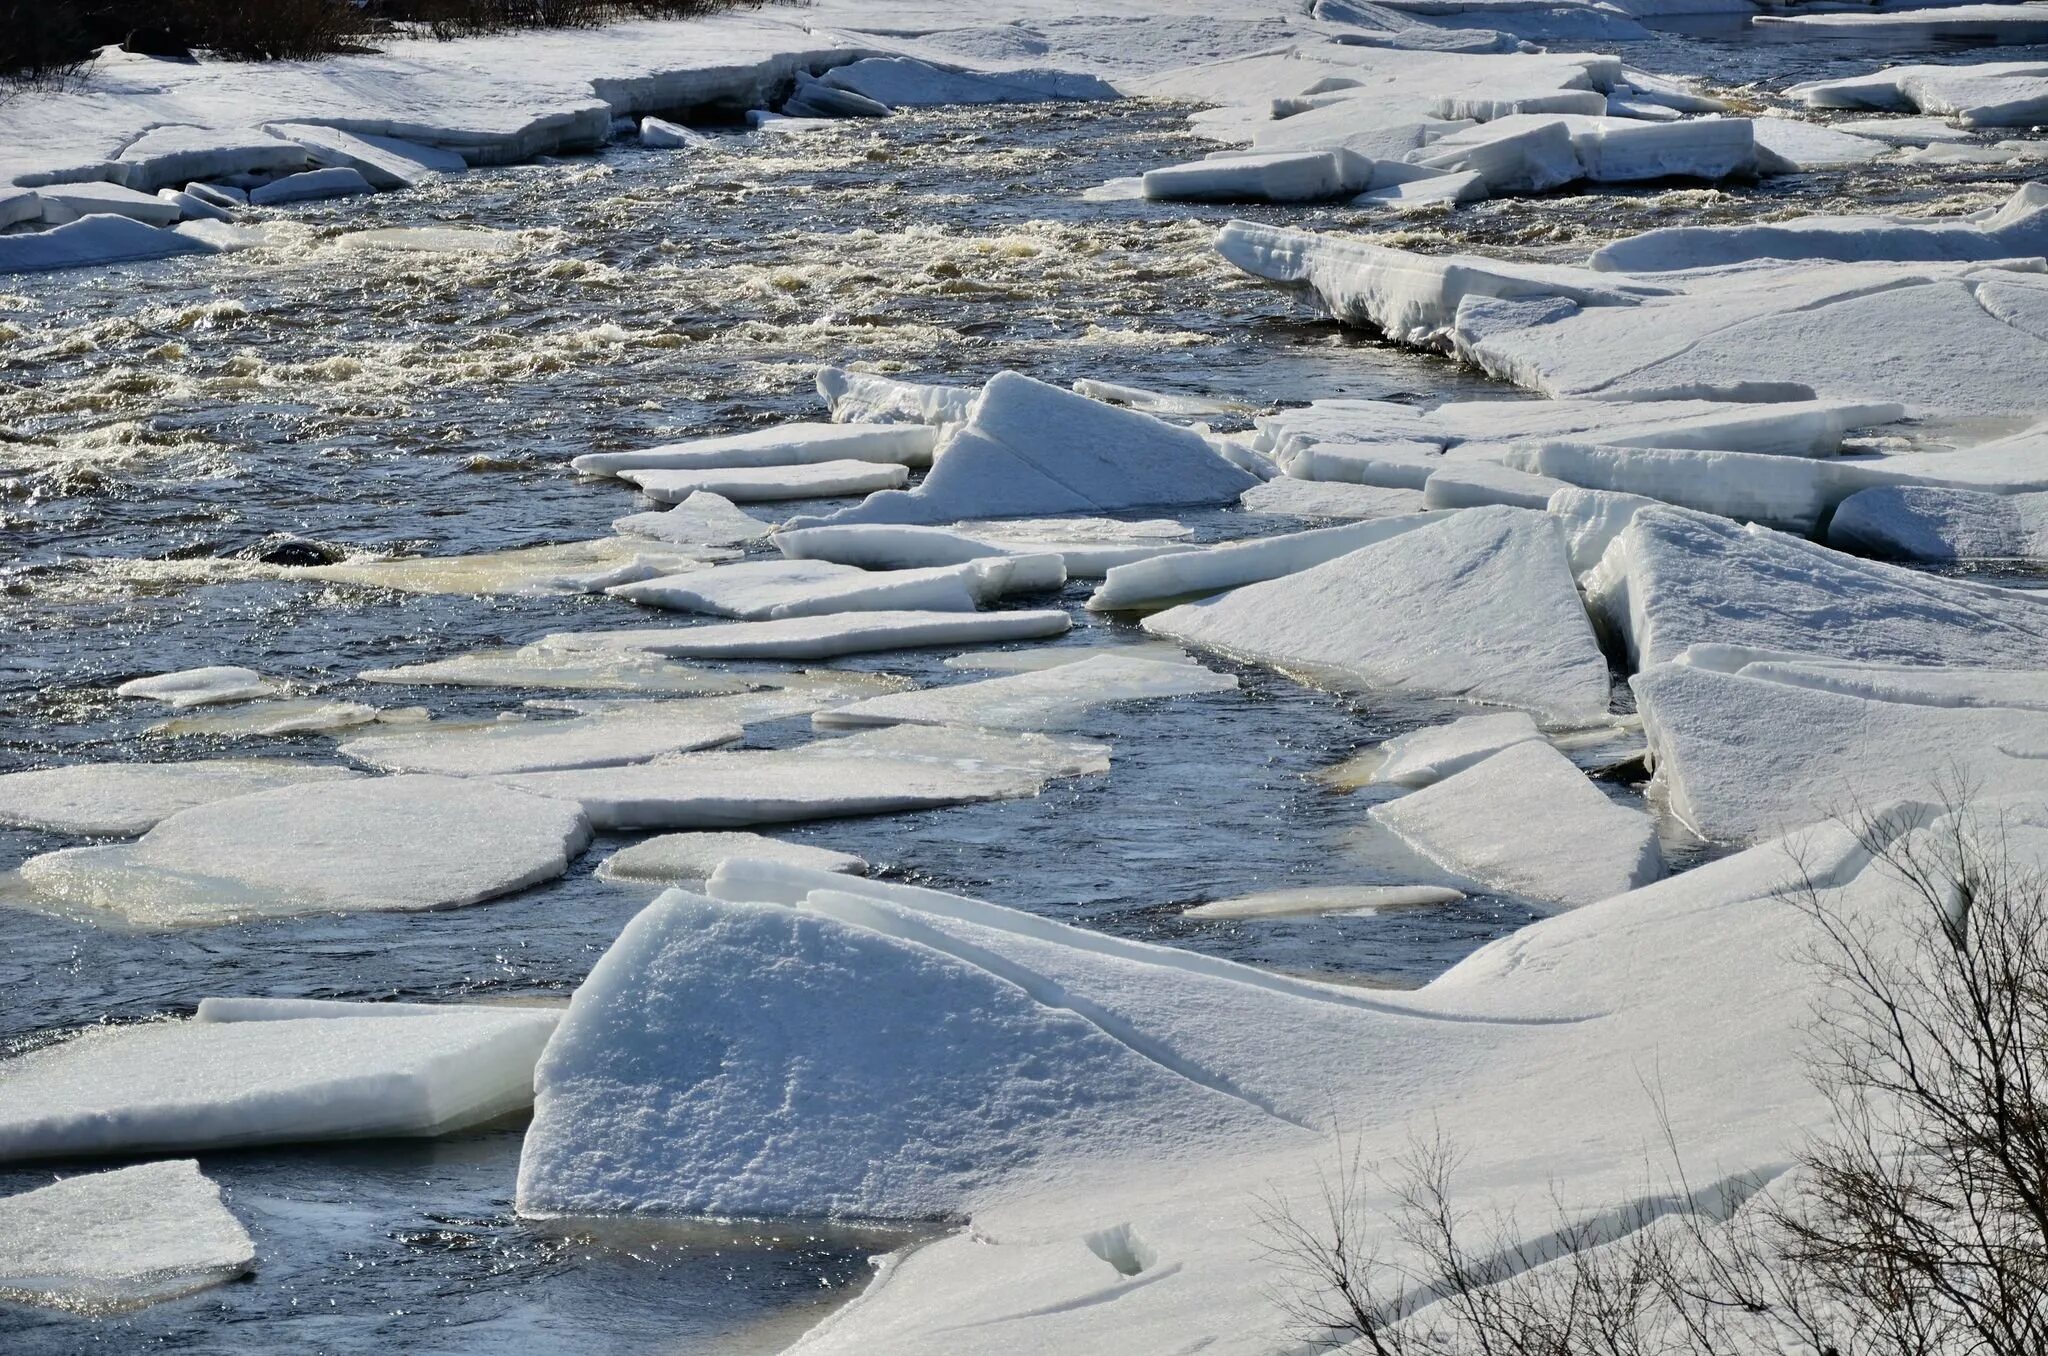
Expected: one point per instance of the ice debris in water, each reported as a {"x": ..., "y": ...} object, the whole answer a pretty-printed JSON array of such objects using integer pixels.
[
  {"x": 799, "y": 638},
  {"x": 703, "y": 519},
  {"x": 782, "y": 445},
  {"x": 570, "y": 567},
  {"x": 616, "y": 669},
  {"x": 1437, "y": 751},
  {"x": 1310, "y": 900},
  {"x": 118, "y": 800},
  {"x": 1043, "y": 699},
  {"x": 203, "y": 687},
  {"x": 671, "y": 858},
  {"x": 771, "y": 590},
  {"x": 104, "y": 1242},
  {"x": 764, "y": 484}
]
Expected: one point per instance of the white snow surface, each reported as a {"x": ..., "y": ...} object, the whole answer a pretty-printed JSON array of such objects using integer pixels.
[
  {"x": 118, "y": 800},
  {"x": 109, "y": 1241}
]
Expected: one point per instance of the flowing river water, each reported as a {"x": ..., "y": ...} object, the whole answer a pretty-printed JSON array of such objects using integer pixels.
[{"x": 160, "y": 423}]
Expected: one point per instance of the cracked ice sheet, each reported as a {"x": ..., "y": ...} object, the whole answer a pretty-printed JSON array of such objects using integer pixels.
[
  {"x": 107, "y": 1241},
  {"x": 876, "y": 772},
  {"x": 283, "y": 1076}
]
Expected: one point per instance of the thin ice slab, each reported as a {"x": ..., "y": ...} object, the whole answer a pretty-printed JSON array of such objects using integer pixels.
[
  {"x": 632, "y": 732},
  {"x": 203, "y": 687},
  {"x": 569, "y": 567},
  {"x": 623, "y": 669},
  {"x": 829, "y": 637},
  {"x": 1159, "y": 582},
  {"x": 704, "y": 519},
  {"x": 765, "y": 484},
  {"x": 1044, "y": 699},
  {"x": 672, "y": 858},
  {"x": 1316, "y": 900},
  {"x": 773, "y": 590},
  {"x": 118, "y": 800},
  {"x": 1435, "y": 752},
  {"x": 783, "y": 445}
]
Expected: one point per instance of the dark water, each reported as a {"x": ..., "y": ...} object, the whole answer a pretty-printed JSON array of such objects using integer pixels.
[{"x": 156, "y": 421}]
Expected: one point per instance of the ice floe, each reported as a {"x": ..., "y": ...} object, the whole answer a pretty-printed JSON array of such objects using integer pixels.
[
  {"x": 108, "y": 1241},
  {"x": 1923, "y": 523},
  {"x": 1437, "y": 751},
  {"x": 1525, "y": 820},
  {"x": 93, "y": 240},
  {"x": 1287, "y": 497},
  {"x": 901, "y": 82},
  {"x": 1165, "y": 580},
  {"x": 1030, "y": 449},
  {"x": 1479, "y": 605},
  {"x": 1994, "y": 94},
  {"x": 773, "y": 590},
  {"x": 615, "y": 670},
  {"x": 874, "y": 772},
  {"x": 865, "y": 398},
  {"x": 631, "y": 733},
  {"x": 765, "y": 484},
  {"x": 440, "y": 842},
  {"x": 303, "y": 715},
  {"x": 1275, "y": 176},
  {"x": 271, "y": 1075},
  {"x": 783, "y": 445},
  {"x": 701, "y": 520},
  {"x": 662, "y": 134},
  {"x": 1325, "y": 899},
  {"x": 671, "y": 858},
  {"x": 203, "y": 687},
  {"x": 1043, "y": 699},
  {"x": 310, "y": 185},
  {"x": 124, "y": 799},
  {"x": 828, "y": 637},
  {"x": 888, "y": 546},
  {"x": 569, "y": 567}
]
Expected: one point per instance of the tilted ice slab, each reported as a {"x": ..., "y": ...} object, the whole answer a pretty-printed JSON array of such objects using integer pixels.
[
  {"x": 1479, "y": 605},
  {"x": 94, "y": 240},
  {"x": 772, "y": 590},
  {"x": 764, "y": 484},
  {"x": 203, "y": 687},
  {"x": 623, "y": 669},
  {"x": 1029, "y": 449},
  {"x": 900, "y": 82},
  {"x": 865, "y": 398},
  {"x": 1525, "y": 151},
  {"x": 888, "y": 546},
  {"x": 1921, "y": 523},
  {"x": 671, "y": 858},
  {"x": 1527, "y": 821},
  {"x": 1994, "y": 94},
  {"x": 1272, "y": 176},
  {"x": 384, "y": 162},
  {"x": 1052, "y": 656},
  {"x": 703, "y": 519},
  {"x": 1286, "y": 497},
  {"x": 309, "y": 186},
  {"x": 270, "y": 1076},
  {"x": 1044, "y": 699},
  {"x": 876, "y": 772},
  {"x": 1435, "y": 752},
  {"x": 1674, "y": 578},
  {"x": 828, "y": 637},
  {"x": 123, "y": 799},
  {"x": 1191, "y": 574},
  {"x": 2008, "y": 24},
  {"x": 2013, "y": 231},
  {"x": 568, "y": 567},
  {"x": 632, "y": 733},
  {"x": 1794, "y": 146},
  {"x": 1475, "y": 484},
  {"x": 107, "y": 1241},
  {"x": 386, "y": 843},
  {"x": 783, "y": 445},
  {"x": 1739, "y": 756}
]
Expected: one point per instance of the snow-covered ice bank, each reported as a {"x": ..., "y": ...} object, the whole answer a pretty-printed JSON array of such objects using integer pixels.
[
  {"x": 108, "y": 1241},
  {"x": 1479, "y": 604},
  {"x": 876, "y": 772},
  {"x": 433, "y": 843},
  {"x": 118, "y": 800},
  {"x": 260, "y": 1073},
  {"x": 828, "y": 637},
  {"x": 1041, "y": 699}
]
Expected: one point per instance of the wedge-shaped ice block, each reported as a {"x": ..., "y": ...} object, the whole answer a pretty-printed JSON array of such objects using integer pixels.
[
  {"x": 386, "y": 843},
  {"x": 1044, "y": 699},
  {"x": 876, "y": 772},
  {"x": 672, "y": 858},
  {"x": 118, "y": 800},
  {"x": 384, "y": 162},
  {"x": 1171, "y": 579},
  {"x": 270, "y": 1078},
  {"x": 1435, "y": 752},
  {"x": 783, "y": 445},
  {"x": 1478, "y": 605},
  {"x": 828, "y": 637},
  {"x": 1526, "y": 821},
  {"x": 107, "y": 1241},
  {"x": 1271, "y": 176},
  {"x": 1029, "y": 449}
]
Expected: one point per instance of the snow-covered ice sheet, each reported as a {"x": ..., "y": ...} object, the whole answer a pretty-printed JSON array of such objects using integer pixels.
[
  {"x": 123, "y": 799},
  {"x": 875, "y": 772},
  {"x": 1043, "y": 699},
  {"x": 199, "y": 1084},
  {"x": 108, "y": 1241},
  {"x": 1434, "y": 752},
  {"x": 1923, "y": 523},
  {"x": 382, "y": 843},
  {"x": 1032, "y": 449},
  {"x": 828, "y": 637},
  {"x": 782, "y": 445},
  {"x": 1165, "y": 580},
  {"x": 1479, "y": 605},
  {"x": 671, "y": 858},
  {"x": 2005, "y": 24},
  {"x": 767, "y": 484},
  {"x": 1527, "y": 821},
  {"x": 1274, "y": 176},
  {"x": 901, "y": 82},
  {"x": 1476, "y": 484},
  {"x": 93, "y": 240}
]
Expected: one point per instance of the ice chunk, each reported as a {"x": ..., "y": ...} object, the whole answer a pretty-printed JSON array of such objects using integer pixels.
[
  {"x": 670, "y": 858},
  {"x": 632, "y": 733},
  {"x": 1030, "y": 448},
  {"x": 106, "y": 1241},
  {"x": 383, "y": 162},
  {"x": 69, "y": 202},
  {"x": 877, "y": 546},
  {"x": 875, "y": 772},
  {"x": 1674, "y": 578},
  {"x": 665, "y": 135},
  {"x": 1475, "y": 484},
  {"x": 310, "y": 185},
  {"x": 703, "y": 519},
  {"x": 123, "y": 799},
  {"x": 864, "y": 398},
  {"x": 1046, "y": 699},
  {"x": 1526, "y": 821},
  {"x": 783, "y": 445},
  {"x": 93, "y": 240},
  {"x": 1962, "y": 23},
  {"x": 305, "y": 715},
  {"x": 761, "y": 484},
  {"x": 191, "y": 208},
  {"x": 901, "y": 82},
  {"x": 1052, "y": 656},
  {"x": 219, "y": 195},
  {"x": 1426, "y": 190},
  {"x": 1737, "y": 756},
  {"x": 570, "y": 567},
  {"x": 1274, "y": 176},
  {"x": 616, "y": 670},
  {"x": 1624, "y": 150},
  {"x": 1922, "y": 523},
  {"x": 2021, "y": 689},
  {"x": 828, "y": 637},
  {"x": 772, "y": 590},
  {"x": 1528, "y": 155},
  {"x": 1790, "y": 146},
  {"x": 202, "y": 1085},
  {"x": 1480, "y": 605},
  {"x": 385, "y": 843},
  {"x": 1192, "y": 574},
  {"x": 203, "y": 687},
  {"x": 1592, "y": 519},
  {"x": 1321, "y": 899},
  {"x": 1287, "y": 497},
  {"x": 1435, "y": 752}
]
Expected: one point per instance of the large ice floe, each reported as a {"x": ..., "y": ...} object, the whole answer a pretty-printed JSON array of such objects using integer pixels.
[
  {"x": 123, "y": 799},
  {"x": 108, "y": 1241},
  {"x": 1030, "y": 449},
  {"x": 1043, "y": 699},
  {"x": 1479, "y": 604},
  {"x": 875, "y": 772},
  {"x": 261, "y": 1072},
  {"x": 438, "y": 842},
  {"x": 828, "y": 637}
]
